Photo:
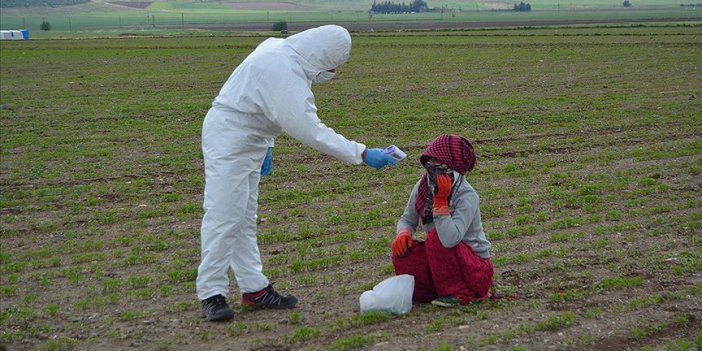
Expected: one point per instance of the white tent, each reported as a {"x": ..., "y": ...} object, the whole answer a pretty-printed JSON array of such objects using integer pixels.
[{"x": 14, "y": 35}]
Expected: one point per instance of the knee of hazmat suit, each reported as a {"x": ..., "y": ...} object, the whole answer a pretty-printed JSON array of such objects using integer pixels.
[{"x": 268, "y": 93}]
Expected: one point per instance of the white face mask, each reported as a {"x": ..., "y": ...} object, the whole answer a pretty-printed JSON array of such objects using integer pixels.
[{"x": 323, "y": 76}]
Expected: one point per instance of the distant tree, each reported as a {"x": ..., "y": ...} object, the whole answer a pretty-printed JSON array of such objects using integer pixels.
[
  {"x": 45, "y": 25},
  {"x": 419, "y": 6},
  {"x": 280, "y": 26},
  {"x": 626, "y": 3},
  {"x": 522, "y": 7}
]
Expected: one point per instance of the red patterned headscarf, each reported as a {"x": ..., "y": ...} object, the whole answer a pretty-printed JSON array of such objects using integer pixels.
[{"x": 454, "y": 151}]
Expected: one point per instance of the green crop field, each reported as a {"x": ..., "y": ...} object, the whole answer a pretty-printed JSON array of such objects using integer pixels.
[
  {"x": 589, "y": 145},
  {"x": 109, "y": 16}
]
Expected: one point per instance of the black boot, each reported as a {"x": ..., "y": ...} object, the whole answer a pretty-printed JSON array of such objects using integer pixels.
[{"x": 215, "y": 308}]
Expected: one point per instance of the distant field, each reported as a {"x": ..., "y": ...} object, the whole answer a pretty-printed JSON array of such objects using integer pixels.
[
  {"x": 589, "y": 145},
  {"x": 169, "y": 15}
]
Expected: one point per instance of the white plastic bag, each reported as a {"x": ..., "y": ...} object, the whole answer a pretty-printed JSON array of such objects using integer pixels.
[{"x": 391, "y": 295}]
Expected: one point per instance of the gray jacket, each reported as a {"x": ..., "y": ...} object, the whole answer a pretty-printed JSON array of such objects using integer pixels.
[{"x": 462, "y": 225}]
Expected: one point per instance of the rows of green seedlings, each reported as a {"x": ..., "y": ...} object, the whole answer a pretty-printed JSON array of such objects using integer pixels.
[
  {"x": 533, "y": 167},
  {"x": 573, "y": 194},
  {"x": 645, "y": 183},
  {"x": 137, "y": 281},
  {"x": 99, "y": 154},
  {"x": 327, "y": 251},
  {"x": 111, "y": 283},
  {"x": 538, "y": 254},
  {"x": 377, "y": 247},
  {"x": 476, "y": 317},
  {"x": 636, "y": 330},
  {"x": 600, "y": 287},
  {"x": 38, "y": 226},
  {"x": 138, "y": 234},
  {"x": 342, "y": 330}
]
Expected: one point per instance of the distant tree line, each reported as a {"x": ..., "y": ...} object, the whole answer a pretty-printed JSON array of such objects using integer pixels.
[
  {"x": 39, "y": 3},
  {"x": 522, "y": 7},
  {"x": 699, "y": 4},
  {"x": 391, "y": 7}
]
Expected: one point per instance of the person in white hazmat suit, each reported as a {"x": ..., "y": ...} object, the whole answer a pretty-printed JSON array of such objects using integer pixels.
[{"x": 267, "y": 94}]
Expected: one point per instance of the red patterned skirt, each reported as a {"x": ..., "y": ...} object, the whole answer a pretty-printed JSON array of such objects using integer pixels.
[{"x": 439, "y": 271}]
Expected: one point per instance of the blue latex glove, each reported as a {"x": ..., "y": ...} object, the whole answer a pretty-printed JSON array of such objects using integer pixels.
[
  {"x": 377, "y": 158},
  {"x": 267, "y": 165}
]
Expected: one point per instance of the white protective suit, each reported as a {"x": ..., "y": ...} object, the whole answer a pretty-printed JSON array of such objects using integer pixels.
[{"x": 267, "y": 94}]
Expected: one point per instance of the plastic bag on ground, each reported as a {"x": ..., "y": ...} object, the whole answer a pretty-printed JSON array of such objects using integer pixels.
[{"x": 391, "y": 295}]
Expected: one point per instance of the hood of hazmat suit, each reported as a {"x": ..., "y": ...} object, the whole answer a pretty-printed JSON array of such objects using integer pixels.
[
  {"x": 322, "y": 48},
  {"x": 270, "y": 92}
]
